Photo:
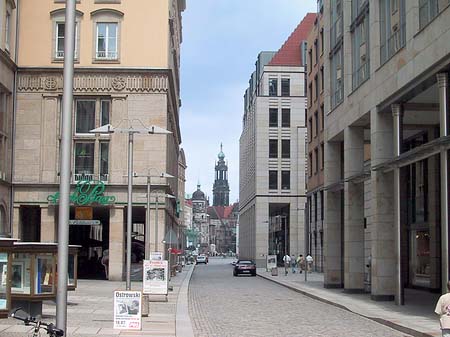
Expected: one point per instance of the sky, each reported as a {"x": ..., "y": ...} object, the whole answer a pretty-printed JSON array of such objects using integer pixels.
[{"x": 221, "y": 41}]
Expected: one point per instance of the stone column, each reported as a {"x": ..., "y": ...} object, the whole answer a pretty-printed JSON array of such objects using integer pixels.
[
  {"x": 16, "y": 222},
  {"x": 397, "y": 123},
  {"x": 48, "y": 224},
  {"x": 444, "y": 109},
  {"x": 353, "y": 211},
  {"x": 116, "y": 244},
  {"x": 332, "y": 225},
  {"x": 383, "y": 243}
]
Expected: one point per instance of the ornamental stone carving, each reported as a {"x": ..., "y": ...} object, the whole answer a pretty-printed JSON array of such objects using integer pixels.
[
  {"x": 118, "y": 83},
  {"x": 50, "y": 83},
  {"x": 95, "y": 83}
]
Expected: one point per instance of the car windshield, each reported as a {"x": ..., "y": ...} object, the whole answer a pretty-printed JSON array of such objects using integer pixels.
[{"x": 245, "y": 262}]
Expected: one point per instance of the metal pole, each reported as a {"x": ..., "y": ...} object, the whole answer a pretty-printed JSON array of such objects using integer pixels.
[
  {"x": 64, "y": 186},
  {"x": 442, "y": 79},
  {"x": 147, "y": 221},
  {"x": 156, "y": 224},
  {"x": 397, "y": 133},
  {"x": 130, "y": 206}
]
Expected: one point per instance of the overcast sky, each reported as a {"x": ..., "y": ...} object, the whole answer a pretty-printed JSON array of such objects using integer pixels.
[{"x": 221, "y": 40}]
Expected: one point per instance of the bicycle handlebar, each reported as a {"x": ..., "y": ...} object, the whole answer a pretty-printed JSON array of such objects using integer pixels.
[{"x": 49, "y": 327}]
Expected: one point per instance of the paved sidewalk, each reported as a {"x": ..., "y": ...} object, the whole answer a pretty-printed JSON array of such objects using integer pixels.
[
  {"x": 416, "y": 317},
  {"x": 90, "y": 311}
]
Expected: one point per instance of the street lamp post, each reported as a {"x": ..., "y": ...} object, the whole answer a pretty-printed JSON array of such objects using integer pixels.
[
  {"x": 147, "y": 215},
  {"x": 64, "y": 187},
  {"x": 130, "y": 130}
]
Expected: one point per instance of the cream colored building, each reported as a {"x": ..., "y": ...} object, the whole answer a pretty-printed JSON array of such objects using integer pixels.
[
  {"x": 8, "y": 10},
  {"x": 127, "y": 62},
  {"x": 386, "y": 89},
  {"x": 272, "y": 177}
]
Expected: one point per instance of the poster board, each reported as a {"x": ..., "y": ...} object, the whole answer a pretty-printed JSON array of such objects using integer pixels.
[
  {"x": 156, "y": 277},
  {"x": 127, "y": 310},
  {"x": 271, "y": 262}
]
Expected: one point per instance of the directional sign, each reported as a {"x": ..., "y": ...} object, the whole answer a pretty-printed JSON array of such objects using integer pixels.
[{"x": 84, "y": 222}]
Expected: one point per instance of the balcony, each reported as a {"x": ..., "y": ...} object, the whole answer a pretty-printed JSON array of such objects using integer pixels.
[{"x": 90, "y": 177}]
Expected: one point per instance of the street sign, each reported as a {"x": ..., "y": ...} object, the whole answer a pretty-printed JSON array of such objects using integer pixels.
[{"x": 84, "y": 222}]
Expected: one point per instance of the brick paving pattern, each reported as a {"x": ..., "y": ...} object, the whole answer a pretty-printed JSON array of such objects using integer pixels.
[{"x": 221, "y": 305}]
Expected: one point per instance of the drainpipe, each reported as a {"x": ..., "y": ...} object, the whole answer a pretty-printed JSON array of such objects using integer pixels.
[{"x": 13, "y": 133}]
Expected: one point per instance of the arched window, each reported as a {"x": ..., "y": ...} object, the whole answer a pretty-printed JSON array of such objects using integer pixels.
[
  {"x": 107, "y": 24},
  {"x": 58, "y": 18}
]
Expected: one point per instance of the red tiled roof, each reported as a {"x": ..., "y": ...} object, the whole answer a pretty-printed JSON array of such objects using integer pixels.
[
  {"x": 222, "y": 212},
  {"x": 289, "y": 54}
]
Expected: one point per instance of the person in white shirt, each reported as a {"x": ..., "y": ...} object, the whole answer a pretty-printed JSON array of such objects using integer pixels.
[
  {"x": 443, "y": 310},
  {"x": 286, "y": 260},
  {"x": 309, "y": 262}
]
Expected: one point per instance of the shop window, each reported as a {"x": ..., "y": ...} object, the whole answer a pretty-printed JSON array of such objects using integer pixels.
[
  {"x": 273, "y": 180},
  {"x": 285, "y": 118}
]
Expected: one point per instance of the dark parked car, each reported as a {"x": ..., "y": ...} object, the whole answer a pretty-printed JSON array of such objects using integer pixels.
[{"x": 244, "y": 267}]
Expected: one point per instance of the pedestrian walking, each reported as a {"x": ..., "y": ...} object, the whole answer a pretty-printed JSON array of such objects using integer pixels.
[
  {"x": 443, "y": 310},
  {"x": 293, "y": 264},
  {"x": 309, "y": 262},
  {"x": 300, "y": 263},
  {"x": 286, "y": 260}
]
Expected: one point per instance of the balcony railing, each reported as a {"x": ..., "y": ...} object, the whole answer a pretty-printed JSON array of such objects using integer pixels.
[
  {"x": 90, "y": 177},
  {"x": 106, "y": 55}
]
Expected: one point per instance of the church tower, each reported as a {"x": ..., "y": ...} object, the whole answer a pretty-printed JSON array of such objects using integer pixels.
[{"x": 221, "y": 190}]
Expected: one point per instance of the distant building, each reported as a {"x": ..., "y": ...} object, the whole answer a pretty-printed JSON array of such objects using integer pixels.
[
  {"x": 201, "y": 219},
  {"x": 272, "y": 152},
  {"x": 223, "y": 220},
  {"x": 221, "y": 189}
]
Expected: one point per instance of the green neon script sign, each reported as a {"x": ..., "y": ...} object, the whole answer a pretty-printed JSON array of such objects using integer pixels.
[{"x": 86, "y": 193}]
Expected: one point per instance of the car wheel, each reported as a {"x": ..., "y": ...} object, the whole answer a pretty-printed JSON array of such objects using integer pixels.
[
  {"x": 254, "y": 274},
  {"x": 235, "y": 274}
]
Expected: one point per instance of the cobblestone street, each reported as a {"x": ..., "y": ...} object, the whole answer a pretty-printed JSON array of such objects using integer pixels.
[{"x": 222, "y": 305}]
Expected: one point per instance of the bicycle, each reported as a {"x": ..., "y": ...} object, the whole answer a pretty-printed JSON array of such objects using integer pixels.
[{"x": 51, "y": 329}]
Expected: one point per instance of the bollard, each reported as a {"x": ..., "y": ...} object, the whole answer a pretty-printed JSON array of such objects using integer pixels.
[{"x": 145, "y": 306}]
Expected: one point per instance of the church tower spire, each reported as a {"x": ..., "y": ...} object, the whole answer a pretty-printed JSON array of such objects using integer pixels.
[{"x": 221, "y": 189}]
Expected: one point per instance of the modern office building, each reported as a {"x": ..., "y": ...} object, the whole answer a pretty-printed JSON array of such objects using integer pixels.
[
  {"x": 8, "y": 67},
  {"x": 315, "y": 126},
  {"x": 272, "y": 153},
  {"x": 386, "y": 146},
  {"x": 120, "y": 79}
]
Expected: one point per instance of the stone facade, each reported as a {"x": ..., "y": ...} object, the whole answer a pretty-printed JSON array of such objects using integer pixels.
[
  {"x": 385, "y": 105},
  {"x": 125, "y": 85}
]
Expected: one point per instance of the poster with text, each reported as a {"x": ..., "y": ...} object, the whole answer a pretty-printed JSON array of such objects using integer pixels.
[
  {"x": 158, "y": 256},
  {"x": 271, "y": 261},
  {"x": 156, "y": 277},
  {"x": 127, "y": 310}
]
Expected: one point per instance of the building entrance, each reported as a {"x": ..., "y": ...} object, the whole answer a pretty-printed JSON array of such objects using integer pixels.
[{"x": 94, "y": 242}]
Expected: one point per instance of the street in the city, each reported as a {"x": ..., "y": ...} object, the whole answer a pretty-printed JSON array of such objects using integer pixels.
[{"x": 223, "y": 305}]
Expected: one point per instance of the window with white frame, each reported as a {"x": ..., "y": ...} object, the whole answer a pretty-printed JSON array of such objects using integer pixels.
[
  {"x": 91, "y": 151},
  {"x": 106, "y": 41},
  {"x": 58, "y": 21},
  {"x": 59, "y": 40}
]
